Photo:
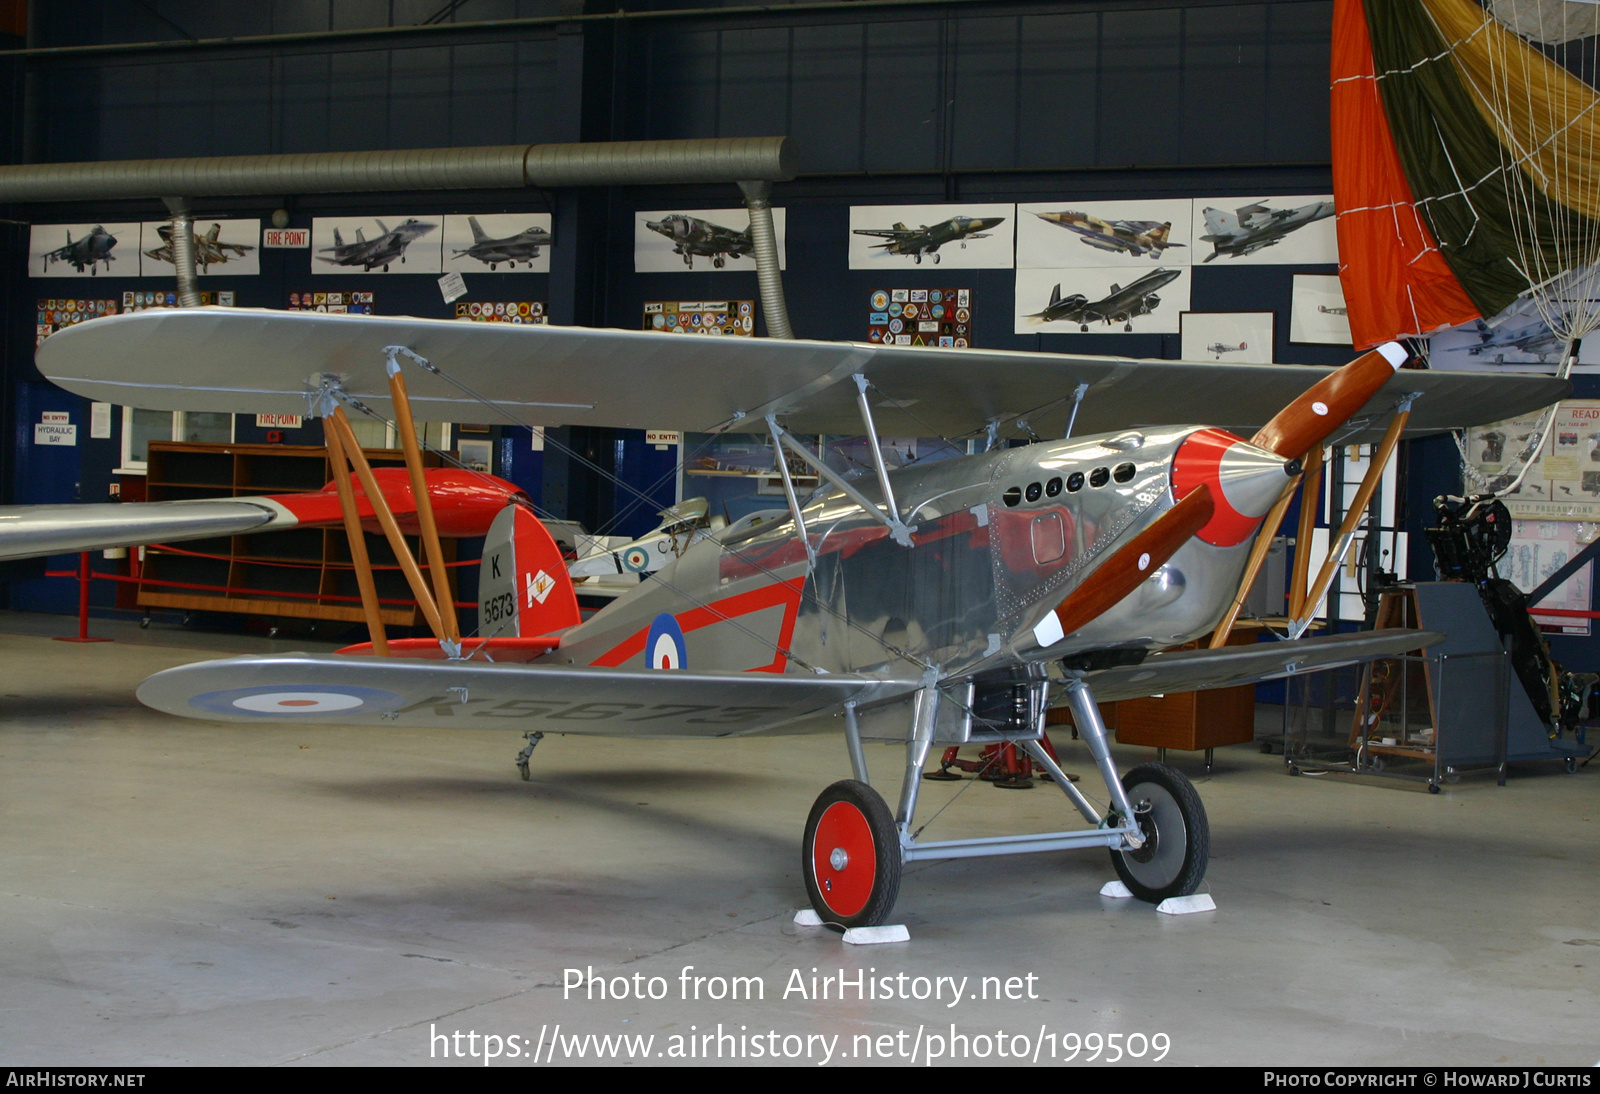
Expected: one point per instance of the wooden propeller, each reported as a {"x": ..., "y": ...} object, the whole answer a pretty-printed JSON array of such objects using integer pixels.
[
  {"x": 1312, "y": 418},
  {"x": 1131, "y": 564}
]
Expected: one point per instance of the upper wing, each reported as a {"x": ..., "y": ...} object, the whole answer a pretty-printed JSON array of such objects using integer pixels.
[
  {"x": 1201, "y": 670},
  {"x": 29, "y": 531},
  {"x": 255, "y": 361},
  {"x": 476, "y": 695}
]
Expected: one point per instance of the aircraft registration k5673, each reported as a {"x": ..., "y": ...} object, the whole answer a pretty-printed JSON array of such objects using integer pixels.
[{"x": 940, "y": 603}]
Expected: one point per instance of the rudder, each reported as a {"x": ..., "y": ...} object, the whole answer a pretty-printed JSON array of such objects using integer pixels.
[{"x": 523, "y": 586}]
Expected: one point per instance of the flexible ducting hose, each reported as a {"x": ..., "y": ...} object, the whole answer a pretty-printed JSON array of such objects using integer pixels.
[
  {"x": 764, "y": 241},
  {"x": 182, "y": 247}
]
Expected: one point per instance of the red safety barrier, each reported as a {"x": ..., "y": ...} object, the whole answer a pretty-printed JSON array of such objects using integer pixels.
[
  {"x": 164, "y": 549},
  {"x": 84, "y": 575}
]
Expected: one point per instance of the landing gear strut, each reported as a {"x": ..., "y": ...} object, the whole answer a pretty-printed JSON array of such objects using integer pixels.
[{"x": 855, "y": 851}]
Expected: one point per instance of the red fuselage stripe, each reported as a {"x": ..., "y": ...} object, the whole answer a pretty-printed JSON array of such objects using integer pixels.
[{"x": 786, "y": 593}]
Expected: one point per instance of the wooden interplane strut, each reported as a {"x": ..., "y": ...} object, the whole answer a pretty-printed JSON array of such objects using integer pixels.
[
  {"x": 358, "y": 543},
  {"x": 391, "y": 529},
  {"x": 444, "y": 598},
  {"x": 1352, "y": 518},
  {"x": 1258, "y": 555},
  {"x": 1310, "y": 498}
]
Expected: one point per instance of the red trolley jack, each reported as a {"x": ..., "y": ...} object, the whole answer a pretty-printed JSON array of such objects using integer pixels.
[{"x": 1001, "y": 763}]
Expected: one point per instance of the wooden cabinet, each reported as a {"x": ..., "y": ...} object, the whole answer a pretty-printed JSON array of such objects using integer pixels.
[
  {"x": 1192, "y": 719},
  {"x": 297, "y": 572}
]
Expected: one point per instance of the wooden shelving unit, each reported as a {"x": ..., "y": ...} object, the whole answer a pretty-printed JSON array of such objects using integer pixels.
[{"x": 252, "y": 568}]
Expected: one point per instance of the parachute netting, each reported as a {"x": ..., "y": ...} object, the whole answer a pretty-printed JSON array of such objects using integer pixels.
[{"x": 1530, "y": 66}]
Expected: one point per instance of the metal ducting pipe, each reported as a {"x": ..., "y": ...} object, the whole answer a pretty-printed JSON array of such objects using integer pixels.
[
  {"x": 497, "y": 167},
  {"x": 182, "y": 245},
  {"x": 764, "y": 241}
]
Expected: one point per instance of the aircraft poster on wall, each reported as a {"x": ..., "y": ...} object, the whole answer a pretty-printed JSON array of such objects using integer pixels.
[
  {"x": 1101, "y": 300},
  {"x": 84, "y": 250},
  {"x": 1239, "y": 336},
  {"x": 699, "y": 240},
  {"x": 497, "y": 242},
  {"x": 373, "y": 245},
  {"x": 1539, "y": 548},
  {"x": 1265, "y": 231},
  {"x": 1564, "y": 481},
  {"x": 220, "y": 247},
  {"x": 1128, "y": 234},
  {"x": 1521, "y": 343},
  {"x": 920, "y": 317},
  {"x": 1317, "y": 312},
  {"x": 903, "y": 237}
]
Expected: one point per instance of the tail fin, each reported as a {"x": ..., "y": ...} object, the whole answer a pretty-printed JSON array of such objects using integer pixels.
[
  {"x": 361, "y": 237},
  {"x": 213, "y": 235},
  {"x": 523, "y": 586},
  {"x": 1219, "y": 223},
  {"x": 1055, "y": 294},
  {"x": 478, "y": 235},
  {"x": 338, "y": 240}
]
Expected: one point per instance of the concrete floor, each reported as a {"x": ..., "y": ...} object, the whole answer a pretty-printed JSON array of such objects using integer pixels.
[{"x": 185, "y": 892}]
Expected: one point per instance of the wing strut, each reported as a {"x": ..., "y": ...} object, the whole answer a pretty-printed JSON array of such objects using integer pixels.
[
  {"x": 1353, "y": 516},
  {"x": 889, "y": 513},
  {"x": 788, "y": 491},
  {"x": 358, "y": 543},
  {"x": 444, "y": 599},
  {"x": 380, "y": 507}
]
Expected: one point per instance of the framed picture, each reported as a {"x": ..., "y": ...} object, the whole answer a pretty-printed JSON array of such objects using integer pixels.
[
  {"x": 470, "y": 427},
  {"x": 1244, "y": 336},
  {"x": 1317, "y": 314},
  {"x": 476, "y": 455}
]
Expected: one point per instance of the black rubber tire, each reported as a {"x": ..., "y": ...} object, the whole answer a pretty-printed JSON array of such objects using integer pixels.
[
  {"x": 1171, "y": 815},
  {"x": 869, "y": 807}
]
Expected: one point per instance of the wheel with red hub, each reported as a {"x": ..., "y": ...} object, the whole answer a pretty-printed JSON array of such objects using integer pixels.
[{"x": 851, "y": 856}]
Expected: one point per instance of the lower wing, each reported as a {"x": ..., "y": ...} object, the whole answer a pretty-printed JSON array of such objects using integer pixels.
[
  {"x": 477, "y": 695},
  {"x": 1229, "y": 666}
]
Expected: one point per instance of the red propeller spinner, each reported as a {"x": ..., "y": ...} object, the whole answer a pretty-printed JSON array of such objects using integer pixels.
[{"x": 1225, "y": 484}]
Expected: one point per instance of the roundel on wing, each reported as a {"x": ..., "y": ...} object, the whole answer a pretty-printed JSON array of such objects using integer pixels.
[
  {"x": 636, "y": 559},
  {"x": 308, "y": 700},
  {"x": 663, "y": 647}
]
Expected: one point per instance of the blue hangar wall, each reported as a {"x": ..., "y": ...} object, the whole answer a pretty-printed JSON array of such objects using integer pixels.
[{"x": 894, "y": 104}]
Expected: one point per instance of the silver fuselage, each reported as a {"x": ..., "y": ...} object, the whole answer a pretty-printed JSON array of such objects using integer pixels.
[{"x": 1001, "y": 539}]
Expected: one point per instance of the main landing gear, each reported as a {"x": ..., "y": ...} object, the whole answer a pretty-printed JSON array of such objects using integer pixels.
[{"x": 855, "y": 850}]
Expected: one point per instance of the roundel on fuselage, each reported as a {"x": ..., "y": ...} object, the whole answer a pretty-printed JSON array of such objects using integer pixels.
[{"x": 663, "y": 646}]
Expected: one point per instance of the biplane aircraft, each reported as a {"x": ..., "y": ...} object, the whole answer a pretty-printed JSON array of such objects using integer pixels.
[{"x": 938, "y": 603}]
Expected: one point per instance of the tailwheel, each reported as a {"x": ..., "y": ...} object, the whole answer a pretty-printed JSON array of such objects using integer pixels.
[
  {"x": 1172, "y": 861},
  {"x": 851, "y": 856}
]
